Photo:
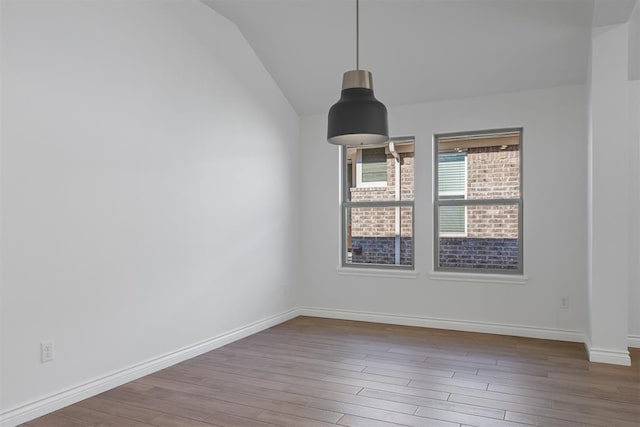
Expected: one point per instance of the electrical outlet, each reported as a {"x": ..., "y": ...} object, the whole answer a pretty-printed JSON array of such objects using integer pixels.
[
  {"x": 46, "y": 351},
  {"x": 564, "y": 302}
]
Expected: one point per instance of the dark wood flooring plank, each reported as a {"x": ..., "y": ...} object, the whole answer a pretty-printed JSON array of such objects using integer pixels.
[
  {"x": 89, "y": 416},
  {"x": 361, "y": 406},
  {"x": 434, "y": 403},
  {"x": 288, "y": 420},
  {"x": 301, "y": 391},
  {"x": 227, "y": 420},
  {"x": 543, "y": 384},
  {"x": 545, "y": 412},
  {"x": 120, "y": 409},
  {"x": 176, "y": 421},
  {"x": 306, "y": 370},
  {"x": 56, "y": 420},
  {"x": 313, "y": 397},
  {"x": 237, "y": 403},
  {"x": 538, "y": 420},
  {"x": 460, "y": 418},
  {"x": 282, "y": 381},
  {"x": 602, "y": 410},
  {"x": 193, "y": 409},
  {"x": 468, "y": 382},
  {"x": 312, "y": 361},
  {"x": 559, "y": 395},
  {"x": 352, "y": 421},
  {"x": 436, "y": 392}
]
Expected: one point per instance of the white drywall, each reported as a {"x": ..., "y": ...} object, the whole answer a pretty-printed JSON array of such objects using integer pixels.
[
  {"x": 555, "y": 172},
  {"x": 634, "y": 43},
  {"x": 149, "y": 165},
  {"x": 634, "y": 158},
  {"x": 610, "y": 229},
  {"x": 634, "y": 219}
]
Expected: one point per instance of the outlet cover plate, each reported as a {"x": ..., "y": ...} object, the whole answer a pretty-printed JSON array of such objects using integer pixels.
[{"x": 46, "y": 351}]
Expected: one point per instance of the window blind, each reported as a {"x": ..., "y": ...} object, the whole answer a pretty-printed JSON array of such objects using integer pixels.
[{"x": 374, "y": 165}]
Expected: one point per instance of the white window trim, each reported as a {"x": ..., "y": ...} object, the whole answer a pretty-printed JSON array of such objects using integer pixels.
[
  {"x": 454, "y": 276},
  {"x": 377, "y": 272},
  {"x": 359, "y": 182}
]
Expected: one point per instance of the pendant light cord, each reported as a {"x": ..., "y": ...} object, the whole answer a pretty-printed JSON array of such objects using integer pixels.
[{"x": 357, "y": 34}]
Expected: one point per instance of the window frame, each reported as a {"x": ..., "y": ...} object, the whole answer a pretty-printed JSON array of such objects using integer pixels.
[
  {"x": 346, "y": 204},
  {"x": 437, "y": 203}
]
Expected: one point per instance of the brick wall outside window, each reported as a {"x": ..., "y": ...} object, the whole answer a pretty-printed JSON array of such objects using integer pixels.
[
  {"x": 493, "y": 173},
  {"x": 373, "y": 228}
]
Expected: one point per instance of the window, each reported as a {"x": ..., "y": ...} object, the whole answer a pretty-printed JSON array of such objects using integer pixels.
[
  {"x": 478, "y": 202},
  {"x": 377, "y": 205}
]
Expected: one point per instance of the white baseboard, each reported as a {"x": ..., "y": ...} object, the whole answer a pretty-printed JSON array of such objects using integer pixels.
[
  {"x": 605, "y": 355},
  {"x": 31, "y": 410},
  {"x": 613, "y": 357},
  {"x": 634, "y": 341},
  {"x": 437, "y": 323}
]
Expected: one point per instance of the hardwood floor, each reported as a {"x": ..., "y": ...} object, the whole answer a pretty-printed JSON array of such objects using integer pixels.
[{"x": 320, "y": 372}]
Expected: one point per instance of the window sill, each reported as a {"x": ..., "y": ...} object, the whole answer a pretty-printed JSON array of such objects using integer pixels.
[
  {"x": 364, "y": 186},
  {"x": 515, "y": 279},
  {"x": 377, "y": 272}
]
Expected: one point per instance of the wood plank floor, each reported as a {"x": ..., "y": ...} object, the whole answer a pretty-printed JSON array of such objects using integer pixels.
[{"x": 321, "y": 372}]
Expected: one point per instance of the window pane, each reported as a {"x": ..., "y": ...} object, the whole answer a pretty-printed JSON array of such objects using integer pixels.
[
  {"x": 480, "y": 167},
  {"x": 490, "y": 240},
  {"x": 372, "y": 174},
  {"x": 379, "y": 235},
  {"x": 452, "y": 220},
  {"x": 451, "y": 175},
  {"x": 374, "y": 165}
]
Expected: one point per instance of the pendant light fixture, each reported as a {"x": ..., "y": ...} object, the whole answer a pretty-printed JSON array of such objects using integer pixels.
[{"x": 358, "y": 118}]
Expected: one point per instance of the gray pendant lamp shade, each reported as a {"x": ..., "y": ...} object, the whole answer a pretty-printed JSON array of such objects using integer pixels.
[{"x": 358, "y": 118}]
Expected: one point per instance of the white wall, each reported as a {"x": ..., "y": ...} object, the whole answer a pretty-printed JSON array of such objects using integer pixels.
[
  {"x": 148, "y": 170},
  {"x": 555, "y": 160},
  {"x": 634, "y": 43},
  {"x": 611, "y": 228},
  {"x": 634, "y": 158},
  {"x": 634, "y": 262}
]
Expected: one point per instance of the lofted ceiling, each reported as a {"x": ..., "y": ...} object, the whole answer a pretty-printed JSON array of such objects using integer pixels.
[{"x": 420, "y": 50}]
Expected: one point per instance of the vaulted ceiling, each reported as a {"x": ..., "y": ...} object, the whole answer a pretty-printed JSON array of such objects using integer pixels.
[{"x": 421, "y": 50}]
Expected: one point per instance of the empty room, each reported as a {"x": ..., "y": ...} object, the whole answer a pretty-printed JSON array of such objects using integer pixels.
[{"x": 308, "y": 213}]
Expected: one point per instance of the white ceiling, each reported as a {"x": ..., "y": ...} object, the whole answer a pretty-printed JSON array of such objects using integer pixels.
[{"x": 420, "y": 50}]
